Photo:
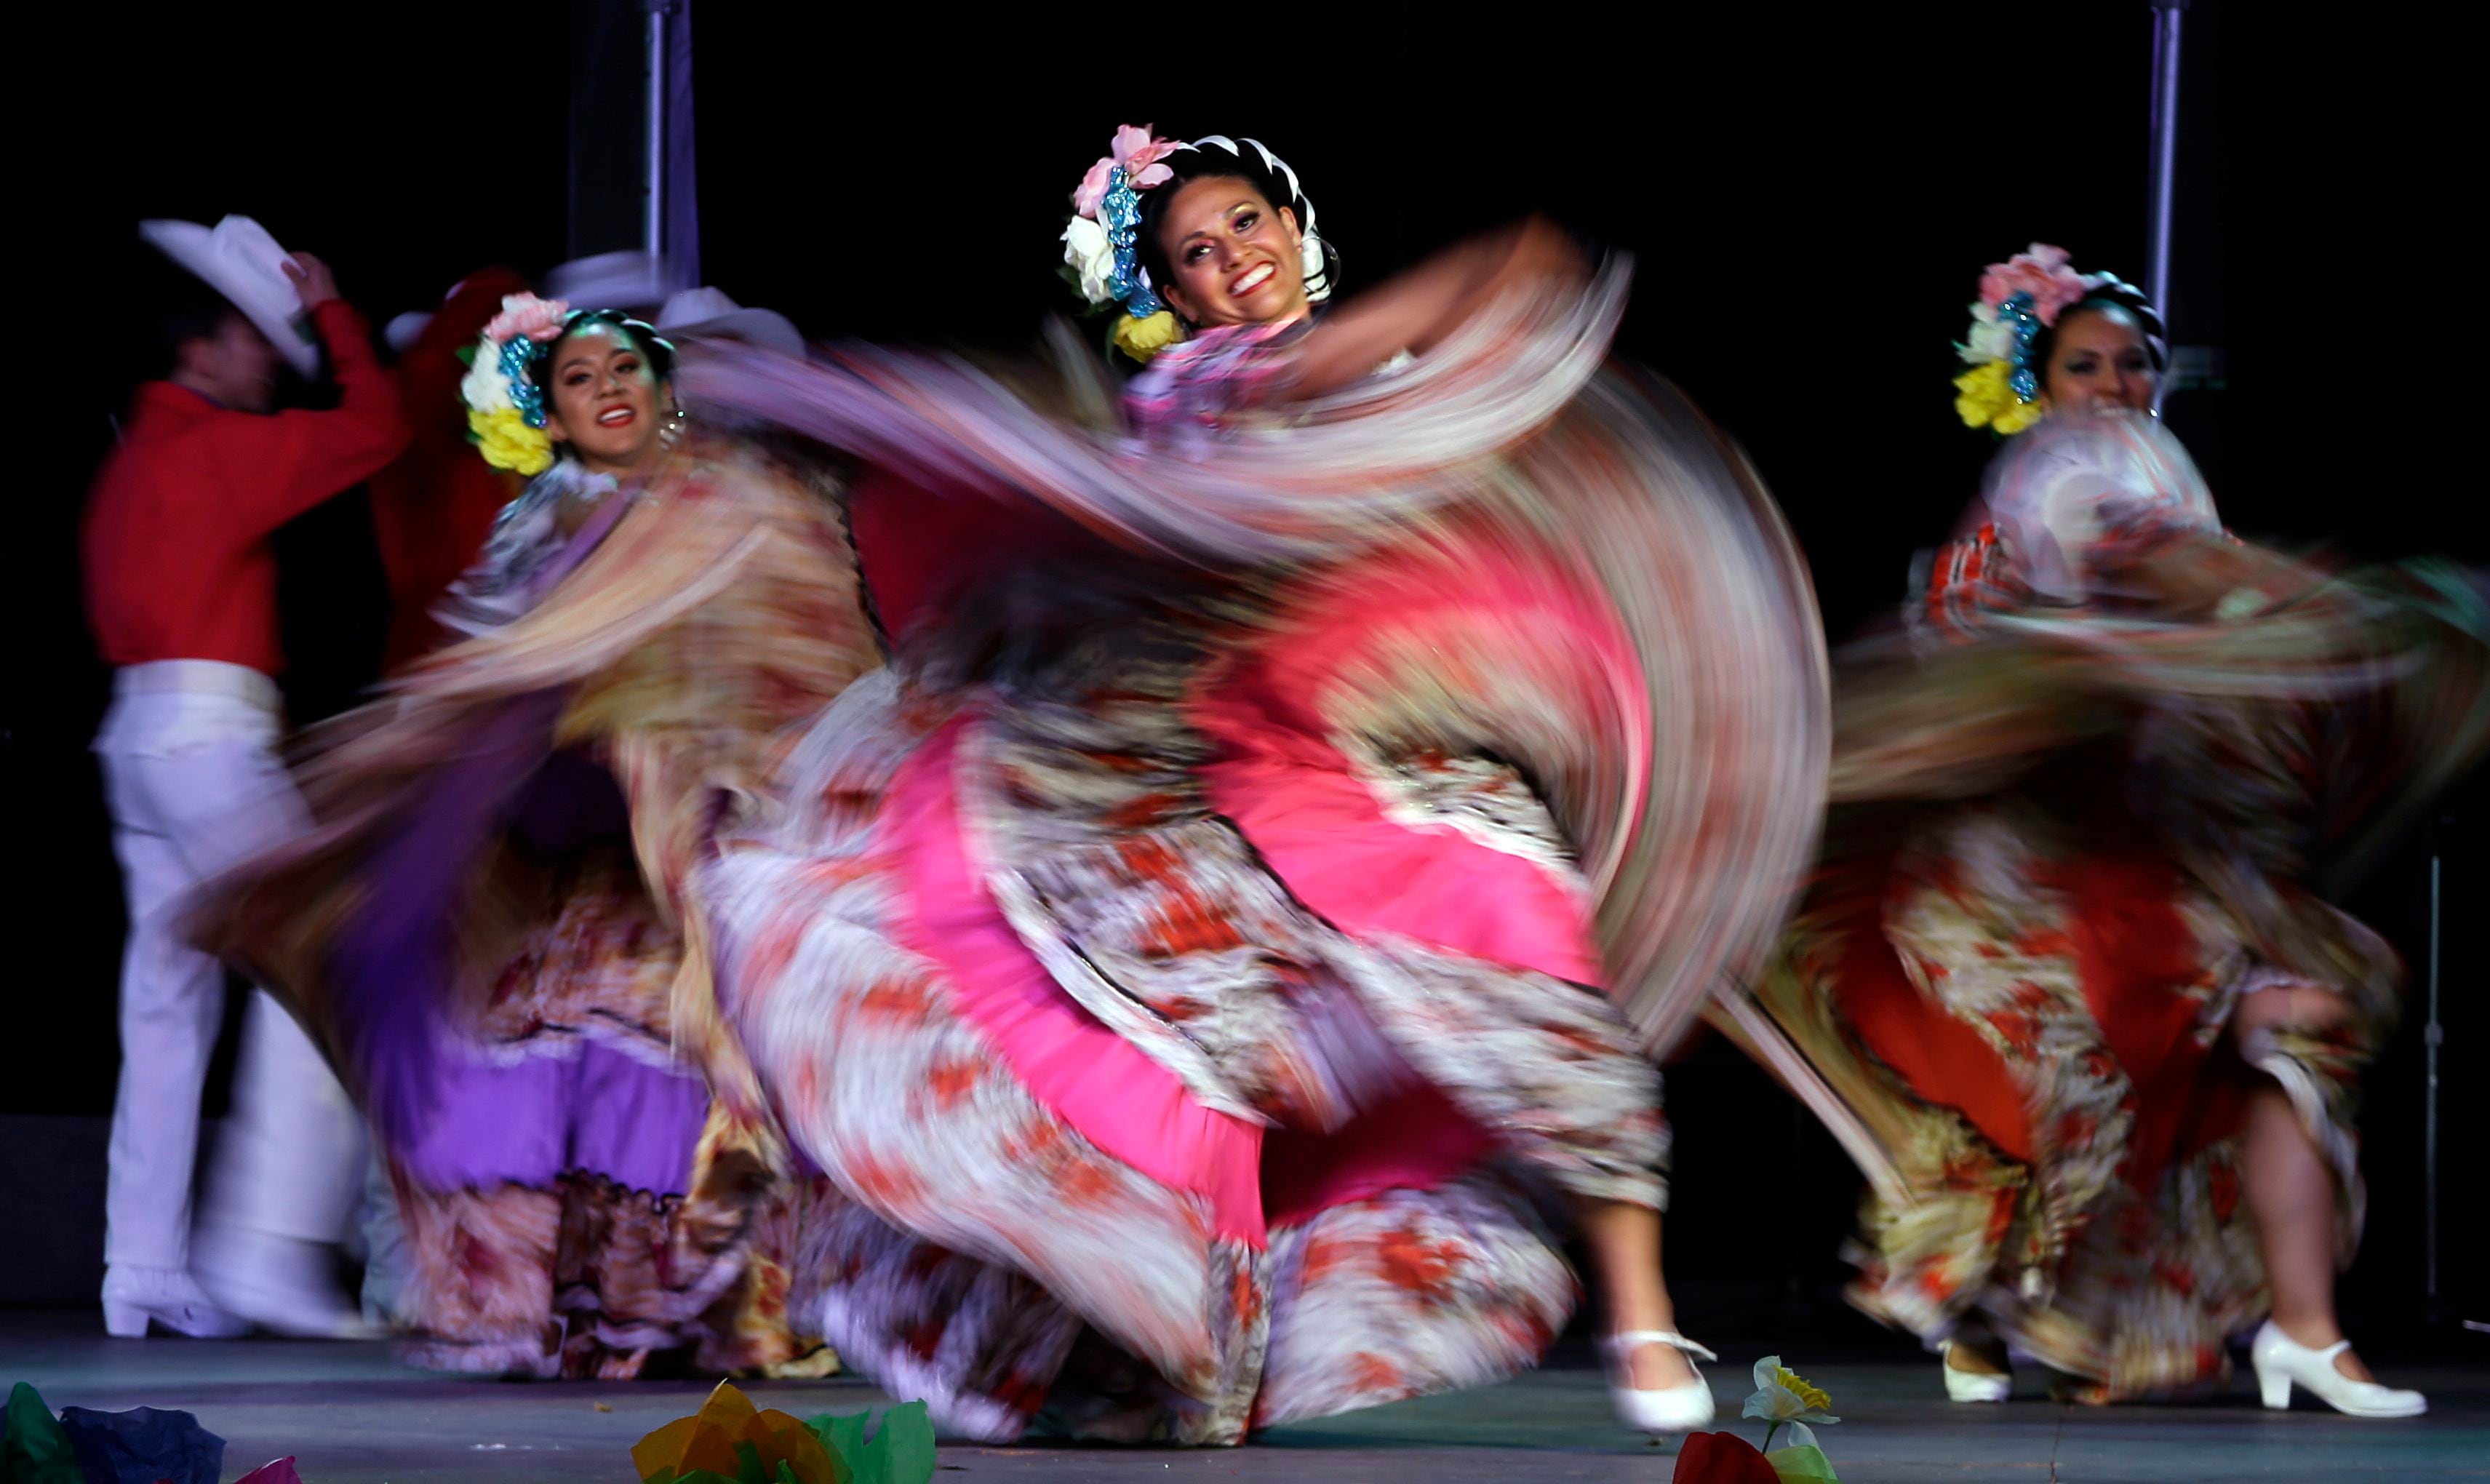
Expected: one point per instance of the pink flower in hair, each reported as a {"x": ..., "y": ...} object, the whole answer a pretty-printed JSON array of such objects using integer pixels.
[
  {"x": 1136, "y": 152},
  {"x": 1140, "y": 152},
  {"x": 525, "y": 315},
  {"x": 2042, "y": 273}
]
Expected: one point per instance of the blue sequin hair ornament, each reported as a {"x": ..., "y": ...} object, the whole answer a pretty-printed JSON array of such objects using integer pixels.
[
  {"x": 1122, "y": 211},
  {"x": 2016, "y": 313}
]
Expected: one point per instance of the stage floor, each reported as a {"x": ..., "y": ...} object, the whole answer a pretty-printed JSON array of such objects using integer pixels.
[{"x": 352, "y": 1415}]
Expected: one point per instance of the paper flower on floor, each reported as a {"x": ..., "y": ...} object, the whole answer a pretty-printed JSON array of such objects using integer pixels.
[
  {"x": 1802, "y": 1463},
  {"x": 1721, "y": 1458},
  {"x": 732, "y": 1441},
  {"x": 1725, "y": 1458},
  {"x": 1784, "y": 1399},
  {"x": 900, "y": 1452},
  {"x": 143, "y": 1445},
  {"x": 33, "y": 1448}
]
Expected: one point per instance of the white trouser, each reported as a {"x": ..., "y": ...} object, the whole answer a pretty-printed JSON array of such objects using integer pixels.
[{"x": 192, "y": 774}]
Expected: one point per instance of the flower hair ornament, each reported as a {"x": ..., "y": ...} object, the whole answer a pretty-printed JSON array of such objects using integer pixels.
[
  {"x": 505, "y": 408},
  {"x": 1100, "y": 242},
  {"x": 2018, "y": 298}
]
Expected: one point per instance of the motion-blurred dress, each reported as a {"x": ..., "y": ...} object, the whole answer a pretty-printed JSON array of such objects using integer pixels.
[
  {"x": 2070, "y": 832},
  {"x": 495, "y": 929},
  {"x": 1186, "y": 962}
]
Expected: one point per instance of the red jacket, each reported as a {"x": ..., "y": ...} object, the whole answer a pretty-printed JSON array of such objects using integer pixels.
[
  {"x": 433, "y": 508},
  {"x": 177, "y": 558}
]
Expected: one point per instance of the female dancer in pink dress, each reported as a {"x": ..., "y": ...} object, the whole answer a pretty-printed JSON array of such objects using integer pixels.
[{"x": 1185, "y": 963}]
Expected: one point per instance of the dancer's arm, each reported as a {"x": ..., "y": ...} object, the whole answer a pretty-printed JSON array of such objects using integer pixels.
[
  {"x": 1418, "y": 310},
  {"x": 287, "y": 463}
]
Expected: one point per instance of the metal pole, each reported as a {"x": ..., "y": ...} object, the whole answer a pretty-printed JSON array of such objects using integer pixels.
[
  {"x": 2165, "y": 157},
  {"x": 683, "y": 183},
  {"x": 653, "y": 221}
]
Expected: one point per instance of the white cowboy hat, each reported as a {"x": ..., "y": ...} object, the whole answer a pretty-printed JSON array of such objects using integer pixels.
[
  {"x": 705, "y": 312},
  {"x": 631, "y": 279},
  {"x": 240, "y": 261},
  {"x": 405, "y": 330}
]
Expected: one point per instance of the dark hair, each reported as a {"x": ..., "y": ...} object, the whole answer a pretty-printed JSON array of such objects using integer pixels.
[
  {"x": 190, "y": 310},
  {"x": 1212, "y": 161},
  {"x": 643, "y": 336},
  {"x": 2112, "y": 294}
]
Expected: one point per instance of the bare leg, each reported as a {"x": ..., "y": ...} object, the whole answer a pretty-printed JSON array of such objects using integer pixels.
[
  {"x": 2292, "y": 1192},
  {"x": 1624, "y": 1240}
]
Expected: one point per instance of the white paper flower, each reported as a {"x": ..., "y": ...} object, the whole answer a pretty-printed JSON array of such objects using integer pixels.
[
  {"x": 485, "y": 388},
  {"x": 1093, "y": 257},
  {"x": 1990, "y": 340},
  {"x": 1784, "y": 1399}
]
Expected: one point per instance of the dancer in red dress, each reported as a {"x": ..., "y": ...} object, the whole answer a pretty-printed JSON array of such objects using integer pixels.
[{"x": 2065, "y": 984}]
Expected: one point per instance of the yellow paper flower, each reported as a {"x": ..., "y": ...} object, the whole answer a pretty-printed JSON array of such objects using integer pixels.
[
  {"x": 1814, "y": 1396},
  {"x": 708, "y": 1442},
  {"x": 1986, "y": 399},
  {"x": 507, "y": 442},
  {"x": 1142, "y": 338}
]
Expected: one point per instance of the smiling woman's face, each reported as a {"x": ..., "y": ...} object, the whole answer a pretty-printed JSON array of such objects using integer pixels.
[
  {"x": 2099, "y": 357},
  {"x": 1234, "y": 258},
  {"x": 606, "y": 400}
]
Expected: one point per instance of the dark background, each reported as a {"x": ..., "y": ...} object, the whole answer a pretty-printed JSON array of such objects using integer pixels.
[{"x": 1809, "y": 191}]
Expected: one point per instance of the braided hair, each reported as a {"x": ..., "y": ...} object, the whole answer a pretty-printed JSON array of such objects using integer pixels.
[
  {"x": 2111, "y": 293},
  {"x": 1217, "y": 157},
  {"x": 656, "y": 349}
]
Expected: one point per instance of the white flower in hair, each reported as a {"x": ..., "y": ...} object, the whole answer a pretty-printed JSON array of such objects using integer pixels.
[
  {"x": 1990, "y": 340},
  {"x": 1091, "y": 255},
  {"x": 485, "y": 388}
]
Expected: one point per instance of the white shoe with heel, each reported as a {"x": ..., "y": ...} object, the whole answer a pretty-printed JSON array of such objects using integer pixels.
[
  {"x": 134, "y": 1297},
  {"x": 1668, "y": 1410},
  {"x": 1963, "y": 1385},
  {"x": 2282, "y": 1363}
]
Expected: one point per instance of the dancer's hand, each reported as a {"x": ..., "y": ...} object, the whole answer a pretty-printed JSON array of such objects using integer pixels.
[{"x": 312, "y": 280}]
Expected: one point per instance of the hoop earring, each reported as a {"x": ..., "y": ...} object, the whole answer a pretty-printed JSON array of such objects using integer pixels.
[{"x": 672, "y": 432}]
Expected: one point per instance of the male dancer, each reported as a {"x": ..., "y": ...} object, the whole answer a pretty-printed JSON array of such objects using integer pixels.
[{"x": 182, "y": 593}]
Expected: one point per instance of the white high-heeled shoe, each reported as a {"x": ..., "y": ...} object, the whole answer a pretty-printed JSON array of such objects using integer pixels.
[
  {"x": 1669, "y": 1410},
  {"x": 1971, "y": 1386},
  {"x": 2281, "y": 1360},
  {"x": 133, "y": 1298}
]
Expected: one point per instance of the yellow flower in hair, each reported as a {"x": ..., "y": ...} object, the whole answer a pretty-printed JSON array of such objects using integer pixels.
[
  {"x": 507, "y": 442},
  {"x": 1143, "y": 338},
  {"x": 1987, "y": 400}
]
